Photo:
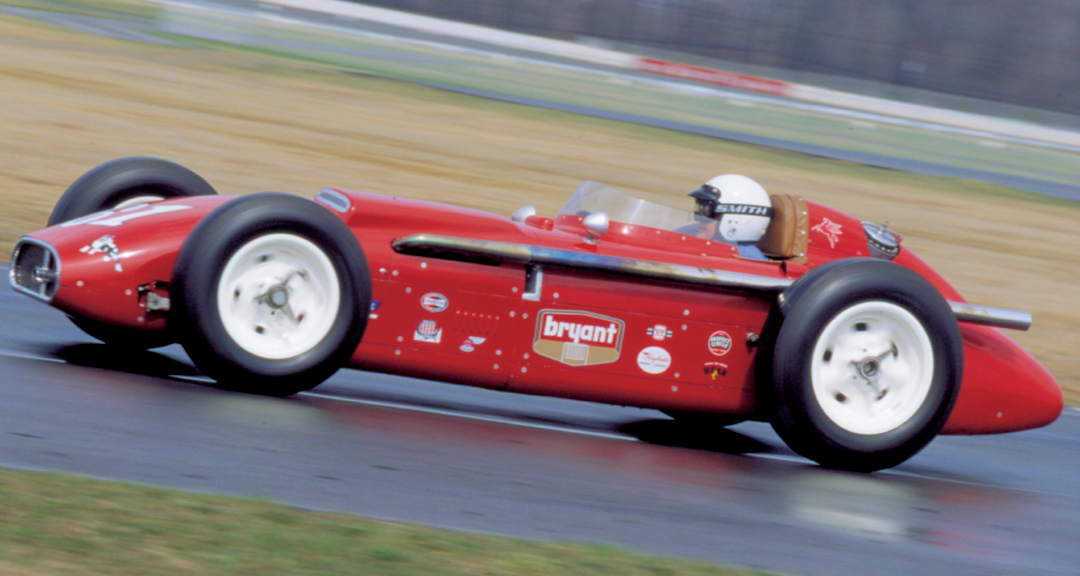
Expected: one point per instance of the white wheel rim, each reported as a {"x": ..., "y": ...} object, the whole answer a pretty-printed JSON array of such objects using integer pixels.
[
  {"x": 278, "y": 296},
  {"x": 872, "y": 368},
  {"x": 137, "y": 201}
]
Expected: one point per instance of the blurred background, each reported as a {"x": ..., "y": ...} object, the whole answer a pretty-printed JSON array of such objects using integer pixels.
[{"x": 1011, "y": 53}]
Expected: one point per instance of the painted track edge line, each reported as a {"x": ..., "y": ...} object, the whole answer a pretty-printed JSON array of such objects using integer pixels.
[
  {"x": 467, "y": 416},
  {"x": 378, "y": 403}
]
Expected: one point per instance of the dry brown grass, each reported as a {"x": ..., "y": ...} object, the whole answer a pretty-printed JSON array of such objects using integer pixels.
[{"x": 247, "y": 123}]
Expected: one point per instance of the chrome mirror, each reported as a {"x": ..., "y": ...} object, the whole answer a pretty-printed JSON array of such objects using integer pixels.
[
  {"x": 596, "y": 224},
  {"x": 522, "y": 213}
]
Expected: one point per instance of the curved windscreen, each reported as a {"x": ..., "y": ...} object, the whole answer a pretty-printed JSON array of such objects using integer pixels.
[{"x": 593, "y": 196}]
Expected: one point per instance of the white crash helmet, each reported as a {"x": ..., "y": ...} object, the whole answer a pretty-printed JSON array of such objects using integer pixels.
[{"x": 741, "y": 205}]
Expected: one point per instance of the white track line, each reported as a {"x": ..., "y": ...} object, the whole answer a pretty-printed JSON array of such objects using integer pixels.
[
  {"x": 33, "y": 357},
  {"x": 380, "y": 403},
  {"x": 469, "y": 416}
]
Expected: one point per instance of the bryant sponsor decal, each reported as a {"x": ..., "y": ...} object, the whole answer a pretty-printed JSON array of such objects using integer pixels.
[
  {"x": 654, "y": 360},
  {"x": 719, "y": 343},
  {"x": 578, "y": 338}
]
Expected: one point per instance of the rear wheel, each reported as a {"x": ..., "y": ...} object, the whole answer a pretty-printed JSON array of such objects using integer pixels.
[
  {"x": 123, "y": 183},
  {"x": 126, "y": 182},
  {"x": 866, "y": 364},
  {"x": 271, "y": 294}
]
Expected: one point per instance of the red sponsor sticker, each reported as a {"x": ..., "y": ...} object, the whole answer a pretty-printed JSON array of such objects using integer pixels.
[
  {"x": 654, "y": 360},
  {"x": 471, "y": 343},
  {"x": 428, "y": 331},
  {"x": 434, "y": 302},
  {"x": 659, "y": 332},
  {"x": 714, "y": 369},
  {"x": 719, "y": 343}
]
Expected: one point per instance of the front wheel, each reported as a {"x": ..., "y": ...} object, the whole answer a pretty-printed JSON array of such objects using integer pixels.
[
  {"x": 271, "y": 294},
  {"x": 866, "y": 364}
]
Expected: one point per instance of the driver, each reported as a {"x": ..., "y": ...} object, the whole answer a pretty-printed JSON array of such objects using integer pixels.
[{"x": 736, "y": 210}]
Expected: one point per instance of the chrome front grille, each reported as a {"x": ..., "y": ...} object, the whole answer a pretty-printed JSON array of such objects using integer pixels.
[{"x": 35, "y": 269}]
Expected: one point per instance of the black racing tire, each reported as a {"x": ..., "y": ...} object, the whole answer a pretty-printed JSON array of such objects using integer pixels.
[
  {"x": 866, "y": 364},
  {"x": 111, "y": 185},
  {"x": 270, "y": 294},
  {"x": 124, "y": 179}
]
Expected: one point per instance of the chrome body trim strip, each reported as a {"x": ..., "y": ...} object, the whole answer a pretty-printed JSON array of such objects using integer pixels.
[
  {"x": 1000, "y": 317},
  {"x": 453, "y": 248},
  {"x": 449, "y": 247}
]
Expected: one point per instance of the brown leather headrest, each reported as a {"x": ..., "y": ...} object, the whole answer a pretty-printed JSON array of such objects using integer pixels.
[{"x": 785, "y": 238}]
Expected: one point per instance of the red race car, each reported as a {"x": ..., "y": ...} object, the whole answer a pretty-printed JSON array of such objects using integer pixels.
[{"x": 854, "y": 349}]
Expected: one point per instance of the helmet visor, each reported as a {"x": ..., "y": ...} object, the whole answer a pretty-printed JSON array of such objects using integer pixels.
[{"x": 705, "y": 199}]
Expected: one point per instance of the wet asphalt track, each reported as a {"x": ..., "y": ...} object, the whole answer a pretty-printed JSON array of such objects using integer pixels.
[{"x": 543, "y": 468}]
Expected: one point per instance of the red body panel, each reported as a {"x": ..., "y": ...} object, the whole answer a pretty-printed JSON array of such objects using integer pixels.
[
  {"x": 585, "y": 335},
  {"x": 1004, "y": 389},
  {"x": 95, "y": 285}
]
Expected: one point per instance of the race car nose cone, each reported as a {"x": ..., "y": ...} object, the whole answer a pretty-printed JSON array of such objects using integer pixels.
[{"x": 1005, "y": 388}]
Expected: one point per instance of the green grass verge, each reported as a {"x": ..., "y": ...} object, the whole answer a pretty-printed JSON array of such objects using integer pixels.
[{"x": 59, "y": 524}]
